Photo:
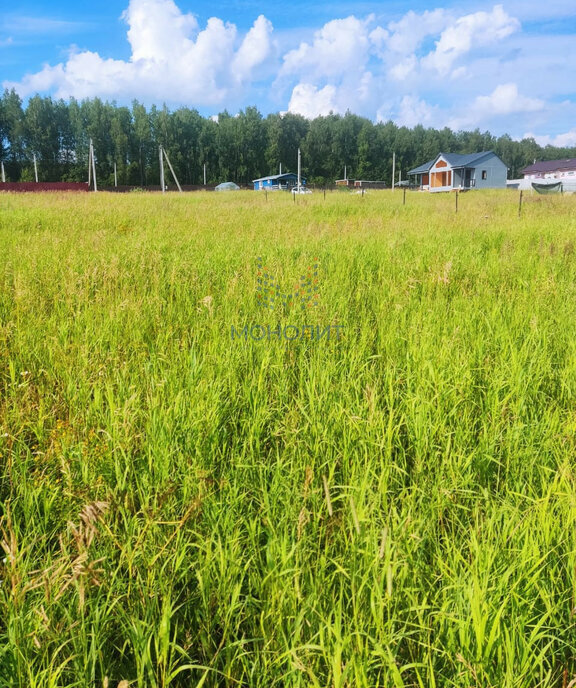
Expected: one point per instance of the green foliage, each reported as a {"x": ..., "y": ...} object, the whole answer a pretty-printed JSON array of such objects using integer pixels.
[
  {"x": 238, "y": 148},
  {"x": 394, "y": 508}
]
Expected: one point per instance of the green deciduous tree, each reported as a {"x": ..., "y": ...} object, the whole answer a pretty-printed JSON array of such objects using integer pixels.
[{"x": 234, "y": 148}]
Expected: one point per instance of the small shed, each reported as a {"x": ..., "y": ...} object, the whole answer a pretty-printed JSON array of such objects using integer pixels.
[
  {"x": 452, "y": 171},
  {"x": 278, "y": 182}
]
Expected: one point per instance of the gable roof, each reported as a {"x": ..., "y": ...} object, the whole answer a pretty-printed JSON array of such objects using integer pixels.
[
  {"x": 274, "y": 177},
  {"x": 423, "y": 168},
  {"x": 550, "y": 166},
  {"x": 455, "y": 160}
]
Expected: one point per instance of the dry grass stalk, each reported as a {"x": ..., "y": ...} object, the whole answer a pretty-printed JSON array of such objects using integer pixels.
[
  {"x": 354, "y": 516},
  {"x": 309, "y": 476},
  {"x": 10, "y": 546},
  {"x": 383, "y": 540},
  {"x": 327, "y": 494},
  {"x": 303, "y": 519}
]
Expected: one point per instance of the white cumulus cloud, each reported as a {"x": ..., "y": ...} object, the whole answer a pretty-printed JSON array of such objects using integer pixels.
[
  {"x": 447, "y": 66},
  {"x": 158, "y": 29},
  {"x": 505, "y": 100},
  {"x": 309, "y": 101},
  {"x": 468, "y": 32},
  {"x": 339, "y": 46},
  {"x": 172, "y": 59},
  {"x": 408, "y": 33},
  {"x": 332, "y": 72},
  {"x": 404, "y": 68},
  {"x": 413, "y": 111},
  {"x": 254, "y": 51},
  {"x": 566, "y": 140}
]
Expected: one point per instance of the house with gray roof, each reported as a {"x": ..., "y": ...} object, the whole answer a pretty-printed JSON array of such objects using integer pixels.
[
  {"x": 455, "y": 172},
  {"x": 551, "y": 169}
]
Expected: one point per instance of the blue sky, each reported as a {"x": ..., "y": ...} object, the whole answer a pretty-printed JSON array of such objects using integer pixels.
[{"x": 507, "y": 66}]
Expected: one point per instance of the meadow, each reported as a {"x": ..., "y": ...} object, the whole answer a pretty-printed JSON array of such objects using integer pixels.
[{"x": 394, "y": 506}]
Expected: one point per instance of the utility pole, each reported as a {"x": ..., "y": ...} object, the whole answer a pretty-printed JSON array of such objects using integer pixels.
[
  {"x": 35, "y": 169},
  {"x": 162, "y": 171},
  {"x": 172, "y": 170},
  {"x": 93, "y": 161},
  {"x": 94, "y": 169},
  {"x": 3, "y": 175},
  {"x": 345, "y": 177},
  {"x": 280, "y": 168},
  {"x": 393, "y": 169},
  {"x": 299, "y": 167},
  {"x": 115, "y": 176},
  {"x": 204, "y": 174}
]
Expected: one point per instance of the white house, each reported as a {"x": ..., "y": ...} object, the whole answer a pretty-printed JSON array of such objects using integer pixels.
[{"x": 551, "y": 169}]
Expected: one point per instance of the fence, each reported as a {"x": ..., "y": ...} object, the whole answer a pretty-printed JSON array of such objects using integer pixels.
[{"x": 44, "y": 186}]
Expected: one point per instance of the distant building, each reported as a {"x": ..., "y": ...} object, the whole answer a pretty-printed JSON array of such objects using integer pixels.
[
  {"x": 276, "y": 182},
  {"x": 368, "y": 184},
  {"x": 361, "y": 184},
  {"x": 451, "y": 171},
  {"x": 551, "y": 169}
]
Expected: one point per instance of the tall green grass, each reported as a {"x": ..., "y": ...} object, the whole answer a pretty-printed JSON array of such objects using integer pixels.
[{"x": 394, "y": 507}]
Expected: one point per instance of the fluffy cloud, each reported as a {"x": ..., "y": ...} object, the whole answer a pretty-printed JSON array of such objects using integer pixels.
[
  {"x": 340, "y": 46},
  {"x": 566, "y": 140},
  {"x": 505, "y": 100},
  {"x": 312, "y": 102},
  {"x": 327, "y": 72},
  {"x": 408, "y": 33},
  {"x": 379, "y": 39},
  {"x": 402, "y": 69},
  {"x": 254, "y": 51},
  {"x": 413, "y": 111},
  {"x": 442, "y": 67},
  {"x": 172, "y": 59},
  {"x": 332, "y": 71},
  {"x": 468, "y": 32},
  {"x": 158, "y": 30}
]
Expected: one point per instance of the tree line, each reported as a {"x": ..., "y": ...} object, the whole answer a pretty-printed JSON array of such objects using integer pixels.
[{"x": 236, "y": 148}]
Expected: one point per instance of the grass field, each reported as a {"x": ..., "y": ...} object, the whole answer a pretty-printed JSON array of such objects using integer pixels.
[{"x": 394, "y": 506}]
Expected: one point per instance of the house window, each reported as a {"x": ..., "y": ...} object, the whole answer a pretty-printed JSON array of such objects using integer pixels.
[{"x": 484, "y": 174}]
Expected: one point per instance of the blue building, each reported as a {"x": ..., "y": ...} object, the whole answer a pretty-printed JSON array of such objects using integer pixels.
[{"x": 275, "y": 182}]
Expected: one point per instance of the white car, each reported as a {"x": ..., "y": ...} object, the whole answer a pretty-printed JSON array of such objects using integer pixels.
[{"x": 301, "y": 190}]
